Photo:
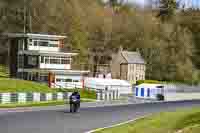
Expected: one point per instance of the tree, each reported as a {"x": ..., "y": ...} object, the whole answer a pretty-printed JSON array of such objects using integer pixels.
[
  {"x": 190, "y": 19},
  {"x": 167, "y": 9},
  {"x": 78, "y": 39},
  {"x": 116, "y": 5},
  {"x": 96, "y": 31}
]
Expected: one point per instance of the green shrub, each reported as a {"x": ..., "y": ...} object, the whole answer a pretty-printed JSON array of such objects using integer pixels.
[
  {"x": 186, "y": 82},
  {"x": 85, "y": 93},
  {"x": 88, "y": 94},
  {"x": 147, "y": 81}
]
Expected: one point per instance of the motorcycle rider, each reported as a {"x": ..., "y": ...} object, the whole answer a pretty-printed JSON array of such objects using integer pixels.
[{"x": 74, "y": 101}]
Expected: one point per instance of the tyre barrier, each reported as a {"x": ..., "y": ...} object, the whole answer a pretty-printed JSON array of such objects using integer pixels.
[{"x": 8, "y": 98}]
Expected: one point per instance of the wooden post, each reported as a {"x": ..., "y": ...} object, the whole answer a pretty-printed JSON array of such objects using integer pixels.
[
  {"x": 83, "y": 83},
  {"x": 51, "y": 79}
]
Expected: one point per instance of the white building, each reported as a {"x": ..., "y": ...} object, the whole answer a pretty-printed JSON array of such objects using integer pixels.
[
  {"x": 102, "y": 84},
  {"x": 40, "y": 58},
  {"x": 149, "y": 91}
]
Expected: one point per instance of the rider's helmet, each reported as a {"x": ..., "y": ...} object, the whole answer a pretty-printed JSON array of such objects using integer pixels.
[{"x": 75, "y": 92}]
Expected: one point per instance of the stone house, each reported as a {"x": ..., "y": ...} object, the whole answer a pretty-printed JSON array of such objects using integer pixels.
[{"x": 127, "y": 65}]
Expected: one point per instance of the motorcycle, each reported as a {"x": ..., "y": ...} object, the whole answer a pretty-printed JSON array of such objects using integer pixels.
[{"x": 75, "y": 105}]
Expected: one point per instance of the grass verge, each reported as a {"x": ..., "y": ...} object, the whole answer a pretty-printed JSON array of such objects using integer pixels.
[
  {"x": 181, "y": 121},
  {"x": 15, "y": 85}
]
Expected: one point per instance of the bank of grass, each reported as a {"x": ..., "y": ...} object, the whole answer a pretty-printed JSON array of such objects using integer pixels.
[
  {"x": 33, "y": 104},
  {"x": 39, "y": 104},
  {"x": 15, "y": 85},
  {"x": 85, "y": 93},
  {"x": 181, "y": 121}
]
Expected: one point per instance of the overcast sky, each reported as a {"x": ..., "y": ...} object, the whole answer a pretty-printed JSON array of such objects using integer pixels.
[{"x": 188, "y": 3}]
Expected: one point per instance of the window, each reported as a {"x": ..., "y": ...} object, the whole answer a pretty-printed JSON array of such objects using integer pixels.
[
  {"x": 58, "y": 80},
  {"x": 65, "y": 61},
  {"x": 142, "y": 67},
  {"x": 53, "y": 45},
  {"x": 137, "y": 66},
  {"x": 42, "y": 59},
  {"x": 47, "y": 61},
  {"x": 54, "y": 61},
  {"x": 142, "y": 92},
  {"x": 30, "y": 41},
  {"x": 32, "y": 60},
  {"x": 132, "y": 68},
  {"x": 68, "y": 80},
  {"x": 20, "y": 61},
  {"x": 45, "y": 44},
  {"x": 20, "y": 44},
  {"x": 35, "y": 43},
  {"x": 142, "y": 77}
]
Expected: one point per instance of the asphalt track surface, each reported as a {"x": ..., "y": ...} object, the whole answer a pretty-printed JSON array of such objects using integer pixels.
[{"x": 61, "y": 121}]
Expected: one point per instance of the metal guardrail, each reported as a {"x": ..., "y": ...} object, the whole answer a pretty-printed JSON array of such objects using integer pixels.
[{"x": 181, "y": 88}]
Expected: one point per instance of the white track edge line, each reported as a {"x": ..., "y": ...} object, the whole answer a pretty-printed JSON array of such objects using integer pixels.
[{"x": 119, "y": 124}]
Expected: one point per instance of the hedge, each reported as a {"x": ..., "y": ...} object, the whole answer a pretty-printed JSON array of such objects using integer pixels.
[
  {"x": 85, "y": 93},
  {"x": 147, "y": 81},
  {"x": 195, "y": 82}
]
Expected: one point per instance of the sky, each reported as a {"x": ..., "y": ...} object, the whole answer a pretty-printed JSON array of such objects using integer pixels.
[{"x": 188, "y": 3}]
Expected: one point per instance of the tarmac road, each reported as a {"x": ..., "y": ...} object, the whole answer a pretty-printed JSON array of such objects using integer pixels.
[{"x": 61, "y": 121}]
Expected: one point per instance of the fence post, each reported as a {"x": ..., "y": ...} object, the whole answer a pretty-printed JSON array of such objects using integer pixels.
[
  {"x": 59, "y": 96},
  {"x": 103, "y": 95},
  {"x": 22, "y": 97},
  {"x": 36, "y": 97},
  {"x": 6, "y": 98}
]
